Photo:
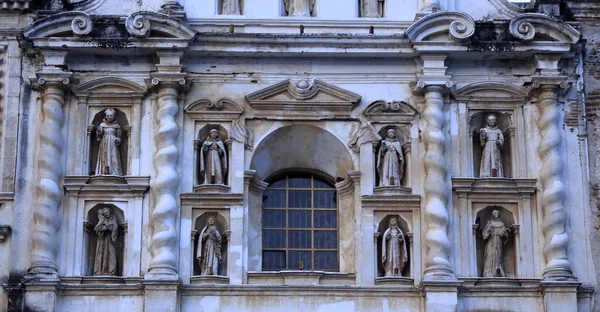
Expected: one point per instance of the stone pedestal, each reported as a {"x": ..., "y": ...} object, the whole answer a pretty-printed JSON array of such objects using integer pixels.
[
  {"x": 560, "y": 296},
  {"x": 161, "y": 296},
  {"x": 441, "y": 296},
  {"x": 41, "y": 296}
]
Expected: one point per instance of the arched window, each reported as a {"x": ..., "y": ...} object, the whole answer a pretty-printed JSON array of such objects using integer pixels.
[{"x": 300, "y": 224}]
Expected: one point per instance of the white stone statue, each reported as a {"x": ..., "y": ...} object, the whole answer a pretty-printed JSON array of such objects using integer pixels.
[
  {"x": 372, "y": 8},
  {"x": 209, "y": 249},
  {"x": 393, "y": 250},
  {"x": 108, "y": 133},
  {"x": 231, "y": 7},
  {"x": 390, "y": 161},
  {"x": 213, "y": 159},
  {"x": 495, "y": 234},
  {"x": 299, "y": 7},
  {"x": 105, "y": 261},
  {"x": 492, "y": 140}
]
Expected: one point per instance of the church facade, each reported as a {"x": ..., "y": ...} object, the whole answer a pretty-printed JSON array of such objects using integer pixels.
[{"x": 299, "y": 155}]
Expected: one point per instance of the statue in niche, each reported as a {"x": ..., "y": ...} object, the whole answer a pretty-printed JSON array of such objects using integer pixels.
[
  {"x": 390, "y": 166},
  {"x": 393, "y": 250},
  {"x": 492, "y": 140},
  {"x": 299, "y": 7},
  {"x": 231, "y": 7},
  {"x": 213, "y": 159},
  {"x": 209, "y": 248},
  {"x": 495, "y": 234},
  {"x": 105, "y": 261},
  {"x": 372, "y": 8},
  {"x": 108, "y": 133}
]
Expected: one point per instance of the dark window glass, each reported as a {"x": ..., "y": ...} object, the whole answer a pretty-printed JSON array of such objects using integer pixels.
[
  {"x": 326, "y": 260},
  {"x": 274, "y": 218},
  {"x": 274, "y": 199},
  {"x": 300, "y": 224}
]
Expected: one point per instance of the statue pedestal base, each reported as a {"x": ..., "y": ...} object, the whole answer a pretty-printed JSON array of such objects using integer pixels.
[
  {"x": 210, "y": 280},
  {"x": 392, "y": 190},
  {"x": 212, "y": 189},
  {"x": 394, "y": 281}
]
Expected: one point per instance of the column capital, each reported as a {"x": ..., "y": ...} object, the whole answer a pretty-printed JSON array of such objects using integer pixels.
[
  {"x": 442, "y": 83},
  {"x": 547, "y": 80},
  {"x": 159, "y": 79},
  {"x": 54, "y": 78}
]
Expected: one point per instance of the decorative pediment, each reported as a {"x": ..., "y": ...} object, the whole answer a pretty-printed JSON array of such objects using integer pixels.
[
  {"x": 442, "y": 26},
  {"x": 156, "y": 25},
  {"x": 64, "y": 24},
  {"x": 222, "y": 110},
  {"x": 395, "y": 111},
  {"x": 540, "y": 27},
  {"x": 303, "y": 95},
  {"x": 491, "y": 91}
]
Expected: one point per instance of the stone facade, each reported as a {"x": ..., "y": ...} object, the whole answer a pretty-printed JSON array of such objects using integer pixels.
[{"x": 299, "y": 155}]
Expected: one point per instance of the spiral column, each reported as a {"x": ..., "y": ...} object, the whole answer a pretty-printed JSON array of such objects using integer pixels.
[
  {"x": 437, "y": 243},
  {"x": 164, "y": 214},
  {"x": 46, "y": 221},
  {"x": 556, "y": 239}
]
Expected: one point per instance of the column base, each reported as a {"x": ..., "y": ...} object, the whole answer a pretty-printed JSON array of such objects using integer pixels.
[
  {"x": 163, "y": 274},
  {"x": 161, "y": 296},
  {"x": 441, "y": 296},
  {"x": 560, "y": 296},
  {"x": 41, "y": 296}
]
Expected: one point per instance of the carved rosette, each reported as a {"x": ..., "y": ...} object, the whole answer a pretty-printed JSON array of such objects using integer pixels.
[
  {"x": 46, "y": 221},
  {"x": 437, "y": 243},
  {"x": 556, "y": 239},
  {"x": 163, "y": 218}
]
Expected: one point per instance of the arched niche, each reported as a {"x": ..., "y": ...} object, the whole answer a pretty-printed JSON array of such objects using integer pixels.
[
  {"x": 403, "y": 135},
  {"x": 381, "y": 228},
  {"x": 509, "y": 259},
  {"x": 203, "y": 134},
  {"x": 121, "y": 118},
  {"x": 91, "y": 237},
  {"x": 301, "y": 146},
  {"x": 505, "y": 124},
  {"x": 223, "y": 227}
]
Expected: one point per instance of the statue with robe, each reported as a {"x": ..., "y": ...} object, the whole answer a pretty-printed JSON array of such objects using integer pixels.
[
  {"x": 492, "y": 140},
  {"x": 299, "y": 7},
  {"x": 390, "y": 161},
  {"x": 108, "y": 133},
  {"x": 213, "y": 159},
  {"x": 231, "y": 7},
  {"x": 393, "y": 250},
  {"x": 495, "y": 234},
  {"x": 372, "y": 8},
  {"x": 105, "y": 260},
  {"x": 209, "y": 248}
]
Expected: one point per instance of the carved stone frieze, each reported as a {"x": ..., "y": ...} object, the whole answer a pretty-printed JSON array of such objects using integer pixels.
[
  {"x": 15, "y": 5},
  {"x": 241, "y": 133},
  {"x": 221, "y": 110},
  {"x": 529, "y": 26},
  {"x": 457, "y": 25},
  {"x": 365, "y": 134},
  {"x": 394, "y": 111},
  {"x": 308, "y": 97}
]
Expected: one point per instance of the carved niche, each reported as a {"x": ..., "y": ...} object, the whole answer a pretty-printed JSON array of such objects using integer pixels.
[{"x": 105, "y": 229}]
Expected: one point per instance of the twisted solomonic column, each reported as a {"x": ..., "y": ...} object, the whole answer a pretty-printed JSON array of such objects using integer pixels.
[
  {"x": 437, "y": 243},
  {"x": 556, "y": 239},
  {"x": 46, "y": 220},
  {"x": 163, "y": 216}
]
